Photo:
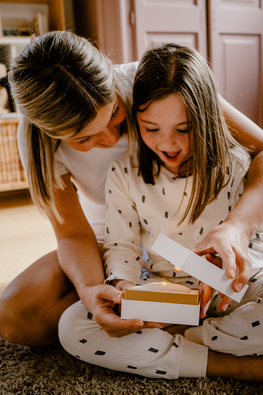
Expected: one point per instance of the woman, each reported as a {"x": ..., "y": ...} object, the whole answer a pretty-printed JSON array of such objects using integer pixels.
[{"x": 75, "y": 104}]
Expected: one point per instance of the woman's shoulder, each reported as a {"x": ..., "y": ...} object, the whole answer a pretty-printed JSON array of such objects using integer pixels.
[
  {"x": 125, "y": 74},
  {"x": 21, "y": 129},
  {"x": 126, "y": 69},
  {"x": 22, "y": 141}
]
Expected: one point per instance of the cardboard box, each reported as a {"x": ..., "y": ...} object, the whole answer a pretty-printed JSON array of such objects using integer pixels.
[
  {"x": 196, "y": 266},
  {"x": 162, "y": 302}
]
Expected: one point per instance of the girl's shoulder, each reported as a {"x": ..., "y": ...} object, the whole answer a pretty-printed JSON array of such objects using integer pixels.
[{"x": 126, "y": 163}]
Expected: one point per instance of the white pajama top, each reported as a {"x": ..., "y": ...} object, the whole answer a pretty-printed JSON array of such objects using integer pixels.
[{"x": 137, "y": 212}]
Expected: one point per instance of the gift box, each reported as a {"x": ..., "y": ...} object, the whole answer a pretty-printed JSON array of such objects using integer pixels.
[{"x": 162, "y": 302}]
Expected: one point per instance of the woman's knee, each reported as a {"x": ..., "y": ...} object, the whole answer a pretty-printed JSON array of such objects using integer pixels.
[
  {"x": 32, "y": 303},
  {"x": 7, "y": 329}
]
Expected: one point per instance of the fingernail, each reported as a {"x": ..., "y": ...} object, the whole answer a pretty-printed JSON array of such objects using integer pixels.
[
  {"x": 158, "y": 326},
  {"x": 233, "y": 273},
  {"x": 225, "y": 307},
  {"x": 138, "y": 325},
  {"x": 239, "y": 287}
]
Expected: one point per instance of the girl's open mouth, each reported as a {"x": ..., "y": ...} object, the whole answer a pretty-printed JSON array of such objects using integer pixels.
[{"x": 171, "y": 156}]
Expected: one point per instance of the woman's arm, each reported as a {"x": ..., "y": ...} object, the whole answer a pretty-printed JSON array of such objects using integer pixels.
[
  {"x": 78, "y": 250},
  {"x": 79, "y": 258},
  {"x": 245, "y": 131},
  {"x": 230, "y": 239}
]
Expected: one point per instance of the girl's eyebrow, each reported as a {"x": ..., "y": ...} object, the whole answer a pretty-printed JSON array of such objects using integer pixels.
[
  {"x": 153, "y": 123},
  {"x": 145, "y": 121}
]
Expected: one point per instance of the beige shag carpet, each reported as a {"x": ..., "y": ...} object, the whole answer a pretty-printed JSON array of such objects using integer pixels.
[{"x": 51, "y": 371}]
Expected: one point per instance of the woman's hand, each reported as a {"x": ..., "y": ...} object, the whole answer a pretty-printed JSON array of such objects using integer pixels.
[
  {"x": 102, "y": 301},
  {"x": 230, "y": 244}
]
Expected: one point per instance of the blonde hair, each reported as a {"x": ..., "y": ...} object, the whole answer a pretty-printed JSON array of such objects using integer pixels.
[
  {"x": 59, "y": 82},
  {"x": 174, "y": 69}
]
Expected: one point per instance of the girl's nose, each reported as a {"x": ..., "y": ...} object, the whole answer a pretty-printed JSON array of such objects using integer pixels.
[{"x": 168, "y": 139}]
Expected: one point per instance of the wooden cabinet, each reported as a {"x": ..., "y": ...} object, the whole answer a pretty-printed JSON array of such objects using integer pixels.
[
  {"x": 15, "y": 13},
  {"x": 18, "y": 15},
  {"x": 236, "y": 53},
  {"x": 180, "y": 21},
  {"x": 227, "y": 32}
]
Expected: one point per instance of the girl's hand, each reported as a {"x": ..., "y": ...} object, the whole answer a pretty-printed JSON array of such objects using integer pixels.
[
  {"x": 102, "y": 301},
  {"x": 231, "y": 244}
]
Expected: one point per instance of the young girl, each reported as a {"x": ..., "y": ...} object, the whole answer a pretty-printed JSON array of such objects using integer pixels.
[
  {"x": 76, "y": 112},
  {"x": 187, "y": 175}
]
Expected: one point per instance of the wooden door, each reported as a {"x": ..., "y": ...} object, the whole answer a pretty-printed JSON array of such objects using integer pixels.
[
  {"x": 236, "y": 53},
  {"x": 180, "y": 21}
]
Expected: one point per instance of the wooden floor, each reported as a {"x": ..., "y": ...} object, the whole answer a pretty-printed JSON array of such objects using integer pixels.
[{"x": 25, "y": 235}]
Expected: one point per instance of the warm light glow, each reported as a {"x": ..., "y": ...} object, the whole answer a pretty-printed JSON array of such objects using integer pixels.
[{"x": 177, "y": 268}]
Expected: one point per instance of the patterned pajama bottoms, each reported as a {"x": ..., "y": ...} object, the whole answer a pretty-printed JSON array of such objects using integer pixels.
[{"x": 156, "y": 353}]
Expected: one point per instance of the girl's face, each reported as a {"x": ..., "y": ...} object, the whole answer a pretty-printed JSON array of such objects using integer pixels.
[
  {"x": 102, "y": 132},
  {"x": 164, "y": 129}
]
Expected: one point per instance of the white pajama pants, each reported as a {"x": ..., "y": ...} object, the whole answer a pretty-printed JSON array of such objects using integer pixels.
[{"x": 156, "y": 353}]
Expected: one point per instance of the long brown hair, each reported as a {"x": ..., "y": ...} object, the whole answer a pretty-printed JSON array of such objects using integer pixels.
[{"x": 174, "y": 69}]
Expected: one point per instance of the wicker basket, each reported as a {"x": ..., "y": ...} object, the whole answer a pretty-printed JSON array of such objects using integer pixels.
[{"x": 12, "y": 174}]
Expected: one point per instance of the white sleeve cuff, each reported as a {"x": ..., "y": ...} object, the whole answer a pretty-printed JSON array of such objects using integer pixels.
[
  {"x": 194, "y": 334},
  {"x": 193, "y": 360}
]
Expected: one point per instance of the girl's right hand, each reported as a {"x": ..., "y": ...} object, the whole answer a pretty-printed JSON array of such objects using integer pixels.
[{"x": 101, "y": 300}]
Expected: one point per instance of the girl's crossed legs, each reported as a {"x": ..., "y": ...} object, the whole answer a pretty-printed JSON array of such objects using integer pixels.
[{"x": 236, "y": 336}]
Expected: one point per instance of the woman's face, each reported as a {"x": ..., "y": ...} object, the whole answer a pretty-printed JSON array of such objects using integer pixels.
[
  {"x": 164, "y": 129},
  {"x": 102, "y": 132}
]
